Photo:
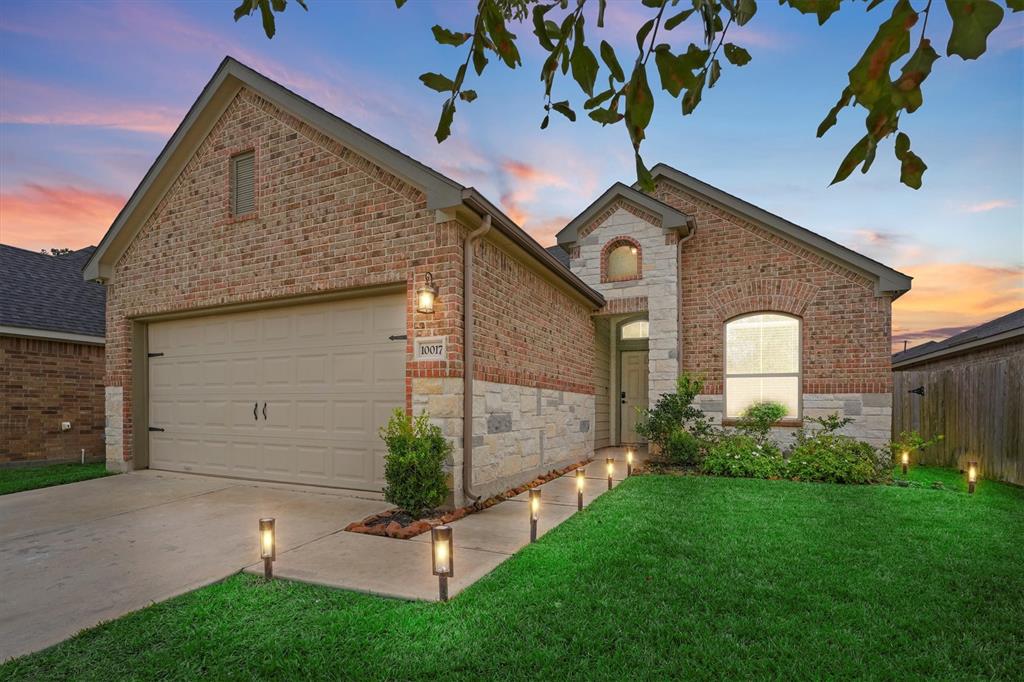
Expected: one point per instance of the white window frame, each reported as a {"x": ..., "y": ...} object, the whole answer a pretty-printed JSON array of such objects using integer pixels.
[{"x": 799, "y": 374}]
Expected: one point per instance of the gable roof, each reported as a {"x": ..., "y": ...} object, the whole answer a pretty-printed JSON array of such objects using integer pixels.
[
  {"x": 671, "y": 218},
  {"x": 45, "y": 295},
  {"x": 560, "y": 254},
  {"x": 231, "y": 76},
  {"x": 1001, "y": 329},
  {"x": 888, "y": 280}
]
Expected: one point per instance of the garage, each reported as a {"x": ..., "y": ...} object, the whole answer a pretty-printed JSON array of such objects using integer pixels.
[{"x": 294, "y": 394}]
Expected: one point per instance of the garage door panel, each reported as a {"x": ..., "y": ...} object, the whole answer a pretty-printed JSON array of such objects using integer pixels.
[{"x": 327, "y": 372}]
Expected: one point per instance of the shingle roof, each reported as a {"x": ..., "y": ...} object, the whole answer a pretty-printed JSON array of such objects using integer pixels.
[
  {"x": 560, "y": 254},
  {"x": 48, "y": 293},
  {"x": 992, "y": 328}
]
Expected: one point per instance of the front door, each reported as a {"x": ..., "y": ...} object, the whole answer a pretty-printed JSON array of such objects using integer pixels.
[{"x": 633, "y": 393}]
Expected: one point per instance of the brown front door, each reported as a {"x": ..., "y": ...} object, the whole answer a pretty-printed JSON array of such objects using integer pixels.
[{"x": 633, "y": 393}]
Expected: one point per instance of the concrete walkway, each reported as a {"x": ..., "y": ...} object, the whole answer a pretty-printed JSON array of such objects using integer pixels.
[{"x": 401, "y": 568}]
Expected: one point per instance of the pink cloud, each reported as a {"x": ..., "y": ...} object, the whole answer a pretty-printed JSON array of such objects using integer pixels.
[
  {"x": 35, "y": 216},
  {"x": 985, "y": 206}
]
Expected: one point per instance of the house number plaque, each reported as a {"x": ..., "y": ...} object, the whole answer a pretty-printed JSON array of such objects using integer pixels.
[{"x": 430, "y": 348}]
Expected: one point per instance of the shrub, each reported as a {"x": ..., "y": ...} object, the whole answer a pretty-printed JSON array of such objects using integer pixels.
[
  {"x": 742, "y": 456},
  {"x": 832, "y": 458},
  {"x": 911, "y": 442},
  {"x": 413, "y": 464},
  {"x": 757, "y": 420},
  {"x": 682, "y": 448}
]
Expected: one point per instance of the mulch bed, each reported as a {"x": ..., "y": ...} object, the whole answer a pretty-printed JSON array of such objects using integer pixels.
[{"x": 395, "y": 523}]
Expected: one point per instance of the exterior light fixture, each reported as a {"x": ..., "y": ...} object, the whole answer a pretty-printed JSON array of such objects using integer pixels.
[
  {"x": 906, "y": 461},
  {"x": 425, "y": 295},
  {"x": 581, "y": 477},
  {"x": 632, "y": 250},
  {"x": 629, "y": 461},
  {"x": 611, "y": 470},
  {"x": 268, "y": 546},
  {"x": 972, "y": 476},
  {"x": 442, "y": 559},
  {"x": 534, "y": 513}
]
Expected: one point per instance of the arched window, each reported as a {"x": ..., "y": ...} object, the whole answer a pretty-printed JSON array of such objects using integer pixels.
[
  {"x": 621, "y": 260},
  {"x": 762, "y": 362},
  {"x": 640, "y": 329}
]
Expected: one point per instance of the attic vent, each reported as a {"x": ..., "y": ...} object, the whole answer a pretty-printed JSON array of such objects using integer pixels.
[{"x": 243, "y": 184}]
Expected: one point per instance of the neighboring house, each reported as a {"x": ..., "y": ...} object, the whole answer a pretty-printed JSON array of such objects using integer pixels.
[
  {"x": 970, "y": 389},
  {"x": 271, "y": 299},
  {"x": 51, "y": 358}
]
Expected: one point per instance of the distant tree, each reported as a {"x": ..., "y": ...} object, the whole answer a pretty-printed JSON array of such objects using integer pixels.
[
  {"x": 57, "y": 252},
  {"x": 684, "y": 72}
]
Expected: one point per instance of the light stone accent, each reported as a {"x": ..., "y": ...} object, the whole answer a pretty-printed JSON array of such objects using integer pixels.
[
  {"x": 871, "y": 414},
  {"x": 659, "y": 283},
  {"x": 114, "y": 429},
  {"x": 549, "y": 430}
]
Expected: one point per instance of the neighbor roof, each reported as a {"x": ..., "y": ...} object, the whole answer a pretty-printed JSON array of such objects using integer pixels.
[
  {"x": 671, "y": 218},
  {"x": 45, "y": 295},
  {"x": 441, "y": 192},
  {"x": 560, "y": 254},
  {"x": 889, "y": 280},
  {"x": 995, "y": 331}
]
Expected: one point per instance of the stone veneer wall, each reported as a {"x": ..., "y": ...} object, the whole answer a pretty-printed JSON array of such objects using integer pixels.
[
  {"x": 871, "y": 414},
  {"x": 518, "y": 431},
  {"x": 659, "y": 253}
]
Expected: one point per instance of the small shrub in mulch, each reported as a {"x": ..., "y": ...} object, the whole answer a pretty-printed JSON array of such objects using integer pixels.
[{"x": 399, "y": 524}]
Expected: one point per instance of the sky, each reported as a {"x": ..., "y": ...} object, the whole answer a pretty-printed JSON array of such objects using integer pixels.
[{"x": 91, "y": 91}]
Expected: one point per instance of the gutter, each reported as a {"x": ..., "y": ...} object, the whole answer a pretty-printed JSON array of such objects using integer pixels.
[{"x": 468, "y": 361}]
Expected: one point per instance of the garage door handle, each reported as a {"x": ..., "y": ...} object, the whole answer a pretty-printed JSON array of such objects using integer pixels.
[
  {"x": 264, "y": 412},
  {"x": 255, "y": 406}
]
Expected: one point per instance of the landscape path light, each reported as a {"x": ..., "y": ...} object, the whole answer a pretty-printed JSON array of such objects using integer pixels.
[
  {"x": 534, "y": 512},
  {"x": 611, "y": 470},
  {"x": 629, "y": 462},
  {"x": 581, "y": 478},
  {"x": 425, "y": 295},
  {"x": 906, "y": 461},
  {"x": 972, "y": 476},
  {"x": 442, "y": 558},
  {"x": 268, "y": 546}
]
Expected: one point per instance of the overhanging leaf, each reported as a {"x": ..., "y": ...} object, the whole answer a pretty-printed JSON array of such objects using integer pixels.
[
  {"x": 736, "y": 55},
  {"x": 639, "y": 104},
  {"x": 438, "y": 82},
  {"x": 917, "y": 68},
  {"x": 444, "y": 124},
  {"x": 854, "y": 158},
  {"x": 833, "y": 114},
  {"x": 445, "y": 37},
  {"x": 564, "y": 109},
  {"x": 973, "y": 21},
  {"x": 912, "y": 168},
  {"x": 608, "y": 55}
]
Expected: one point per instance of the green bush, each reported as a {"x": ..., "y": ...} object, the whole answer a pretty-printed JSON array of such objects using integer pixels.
[
  {"x": 832, "y": 458},
  {"x": 413, "y": 464},
  {"x": 758, "y": 419},
  {"x": 682, "y": 448},
  {"x": 742, "y": 456}
]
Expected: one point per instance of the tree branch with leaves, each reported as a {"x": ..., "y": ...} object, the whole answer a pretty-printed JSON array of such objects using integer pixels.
[{"x": 684, "y": 69}]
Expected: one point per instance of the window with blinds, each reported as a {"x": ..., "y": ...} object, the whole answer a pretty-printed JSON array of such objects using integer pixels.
[
  {"x": 762, "y": 362},
  {"x": 243, "y": 184}
]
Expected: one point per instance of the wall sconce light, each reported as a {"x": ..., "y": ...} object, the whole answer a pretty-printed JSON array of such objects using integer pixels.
[
  {"x": 534, "y": 512},
  {"x": 629, "y": 462},
  {"x": 906, "y": 461},
  {"x": 268, "y": 547},
  {"x": 425, "y": 295},
  {"x": 442, "y": 560},
  {"x": 611, "y": 469},
  {"x": 632, "y": 250},
  {"x": 972, "y": 476},
  {"x": 581, "y": 478}
]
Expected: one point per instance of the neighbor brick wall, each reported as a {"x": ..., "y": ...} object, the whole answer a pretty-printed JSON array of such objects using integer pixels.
[
  {"x": 326, "y": 220},
  {"x": 43, "y": 383},
  {"x": 731, "y": 266}
]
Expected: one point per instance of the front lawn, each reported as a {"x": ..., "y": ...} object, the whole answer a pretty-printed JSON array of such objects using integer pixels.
[
  {"x": 15, "y": 480},
  {"x": 667, "y": 577}
]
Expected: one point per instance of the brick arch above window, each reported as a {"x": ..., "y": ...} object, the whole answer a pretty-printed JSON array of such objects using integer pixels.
[
  {"x": 610, "y": 246},
  {"x": 756, "y": 295}
]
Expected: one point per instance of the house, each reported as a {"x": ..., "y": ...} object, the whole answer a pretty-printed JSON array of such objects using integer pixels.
[
  {"x": 970, "y": 389},
  {"x": 51, "y": 358},
  {"x": 281, "y": 281}
]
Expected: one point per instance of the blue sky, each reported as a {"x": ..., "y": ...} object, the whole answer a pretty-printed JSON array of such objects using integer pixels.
[{"x": 90, "y": 92}]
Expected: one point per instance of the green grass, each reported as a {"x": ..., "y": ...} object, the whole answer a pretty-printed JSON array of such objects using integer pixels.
[
  {"x": 17, "y": 479},
  {"x": 664, "y": 578}
]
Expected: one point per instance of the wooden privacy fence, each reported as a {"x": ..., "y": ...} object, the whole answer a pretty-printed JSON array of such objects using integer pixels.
[{"x": 976, "y": 401}]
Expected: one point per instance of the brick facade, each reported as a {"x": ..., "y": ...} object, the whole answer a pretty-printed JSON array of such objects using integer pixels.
[{"x": 43, "y": 383}]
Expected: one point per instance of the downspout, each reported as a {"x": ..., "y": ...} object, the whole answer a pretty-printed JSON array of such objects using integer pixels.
[
  {"x": 468, "y": 364},
  {"x": 679, "y": 293}
]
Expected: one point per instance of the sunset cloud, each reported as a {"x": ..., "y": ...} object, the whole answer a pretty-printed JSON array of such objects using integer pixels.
[
  {"x": 37, "y": 216},
  {"x": 985, "y": 206}
]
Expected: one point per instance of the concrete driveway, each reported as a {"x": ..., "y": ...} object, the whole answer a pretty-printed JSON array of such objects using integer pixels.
[{"x": 75, "y": 555}]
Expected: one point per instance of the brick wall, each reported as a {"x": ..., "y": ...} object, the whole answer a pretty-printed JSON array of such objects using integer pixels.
[
  {"x": 43, "y": 383},
  {"x": 731, "y": 267}
]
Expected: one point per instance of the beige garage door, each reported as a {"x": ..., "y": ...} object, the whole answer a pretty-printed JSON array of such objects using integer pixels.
[{"x": 294, "y": 394}]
